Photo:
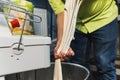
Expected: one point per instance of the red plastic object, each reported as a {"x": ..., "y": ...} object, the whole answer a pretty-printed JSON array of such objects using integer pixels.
[{"x": 15, "y": 23}]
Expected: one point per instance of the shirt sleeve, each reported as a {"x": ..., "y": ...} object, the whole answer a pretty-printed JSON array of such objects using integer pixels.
[{"x": 57, "y": 6}]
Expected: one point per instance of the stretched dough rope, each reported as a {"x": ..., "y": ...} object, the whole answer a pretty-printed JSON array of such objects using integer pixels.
[
  {"x": 71, "y": 30},
  {"x": 57, "y": 68},
  {"x": 67, "y": 23},
  {"x": 67, "y": 19},
  {"x": 70, "y": 14}
]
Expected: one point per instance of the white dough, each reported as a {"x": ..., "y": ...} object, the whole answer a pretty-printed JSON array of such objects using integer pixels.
[{"x": 70, "y": 16}]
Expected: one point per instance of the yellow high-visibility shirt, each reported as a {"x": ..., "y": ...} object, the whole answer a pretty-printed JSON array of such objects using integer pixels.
[{"x": 92, "y": 15}]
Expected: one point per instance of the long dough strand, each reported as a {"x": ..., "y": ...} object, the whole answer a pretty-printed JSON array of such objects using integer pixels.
[
  {"x": 70, "y": 11},
  {"x": 57, "y": 67},
  {"x": 68, "y": 32},
  {"x": 70, "y": 14},
  {"x": 67, "y": 18},
  {"x": 72, "y": 27}
]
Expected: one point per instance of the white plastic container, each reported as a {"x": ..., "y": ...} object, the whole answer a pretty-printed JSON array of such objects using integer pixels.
[{"x": 33, "y": 52}]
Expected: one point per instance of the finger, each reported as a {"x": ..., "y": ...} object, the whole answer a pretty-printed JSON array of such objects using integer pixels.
[
  {"x": 62, "y": 59},
  {"x": 55, "y": 49},
  {"x": 62, "y": 56},
  {"x": 70, "y": 52},
  {"x": 57, "y": 56}
]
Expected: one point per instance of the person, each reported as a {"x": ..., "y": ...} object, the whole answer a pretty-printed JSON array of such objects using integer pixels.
[{"x": 96, "y": 27}]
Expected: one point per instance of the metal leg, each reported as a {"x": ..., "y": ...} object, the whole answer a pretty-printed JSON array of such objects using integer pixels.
[
  {"x": 18, "y": 76},
  {"x": 2, "y": 78}
]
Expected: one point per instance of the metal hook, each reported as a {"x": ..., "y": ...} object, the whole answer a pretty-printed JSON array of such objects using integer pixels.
[{"x": 11, "y": 6}]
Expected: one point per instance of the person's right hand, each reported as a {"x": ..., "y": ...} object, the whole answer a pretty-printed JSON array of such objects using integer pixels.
[{"x": 63, "y": 56}]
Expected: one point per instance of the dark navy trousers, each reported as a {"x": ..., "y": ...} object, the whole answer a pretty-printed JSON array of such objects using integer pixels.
[{"x": 104, "y": 47}]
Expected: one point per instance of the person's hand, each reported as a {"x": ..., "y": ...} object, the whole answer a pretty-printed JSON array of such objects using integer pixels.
[{"x": 63, "y": 56}]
